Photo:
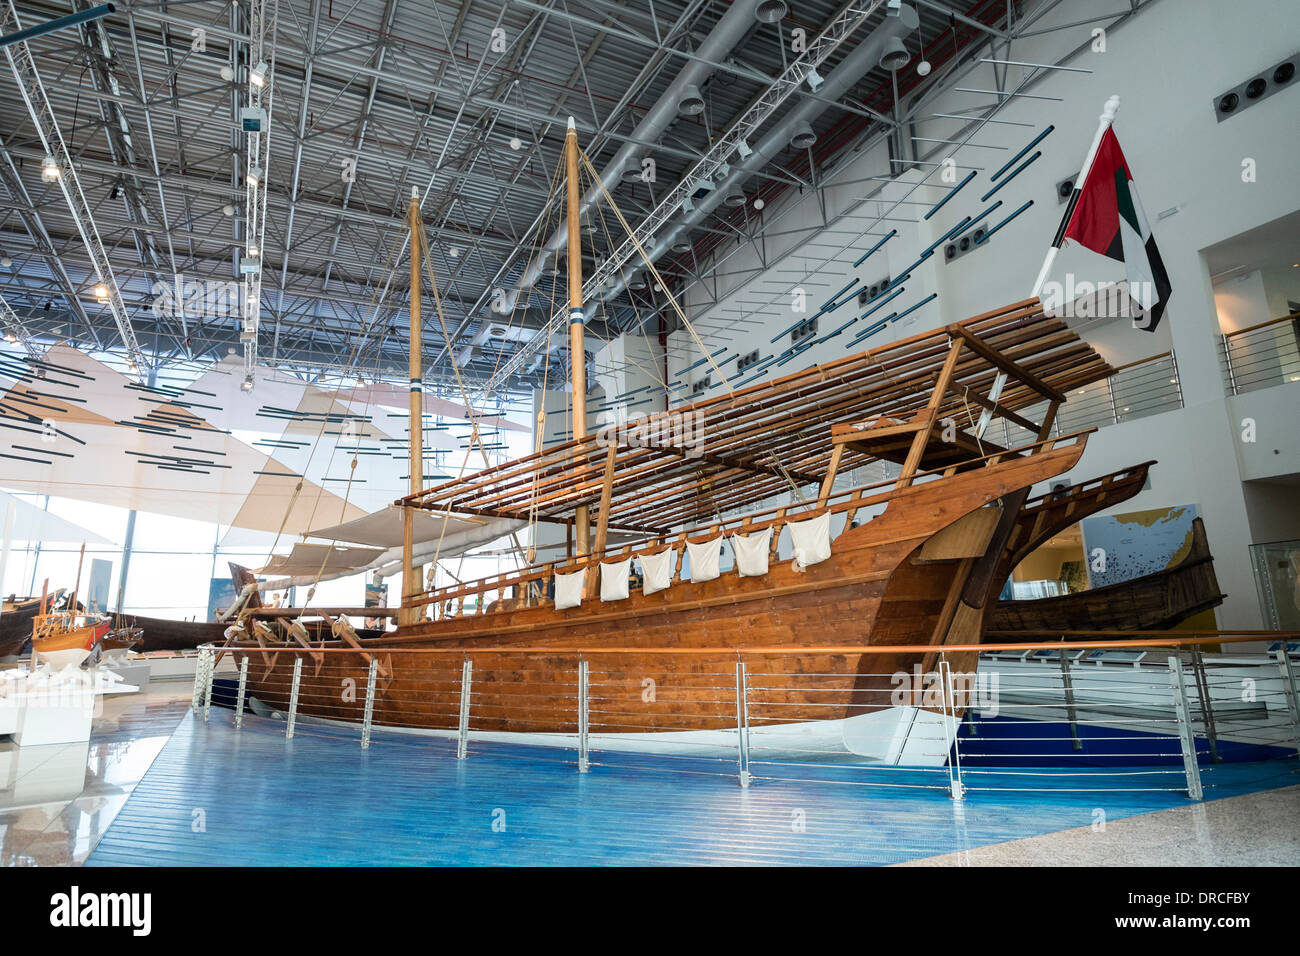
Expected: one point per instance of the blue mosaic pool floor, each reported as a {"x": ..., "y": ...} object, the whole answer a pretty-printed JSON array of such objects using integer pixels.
[{"x": 221, "y": 796}]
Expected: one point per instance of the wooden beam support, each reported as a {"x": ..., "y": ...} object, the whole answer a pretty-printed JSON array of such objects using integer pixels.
[
  {"x": 1016, "y": 371},
  {"x": 829, "y": 482},
  {"x": 929, "y": 415},
  {"x": 602, "y": 521}
]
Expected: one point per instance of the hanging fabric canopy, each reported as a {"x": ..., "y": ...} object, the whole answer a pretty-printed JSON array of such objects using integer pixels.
[
  {"x": 384, "y": 528},
  {"x": 33, "y": 524}
]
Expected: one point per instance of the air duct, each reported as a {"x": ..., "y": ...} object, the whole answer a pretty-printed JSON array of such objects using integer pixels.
[
  {"x": 858, "y": 63},
  {"x": 733, "y": 27},
  {"x": 895, "y": 56},
  {"x": 803, "y": 137},
  {"x": 691, "y": 102},
  {"x": 770, "y": 11}
]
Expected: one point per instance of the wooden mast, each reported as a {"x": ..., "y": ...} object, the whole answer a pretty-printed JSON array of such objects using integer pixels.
[
  {"x": 577, "y": 355},
  {"x": 411, "y": 582}
]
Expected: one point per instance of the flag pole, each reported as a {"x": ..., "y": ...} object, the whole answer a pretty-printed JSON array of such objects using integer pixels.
[{"x": 1107, "y": 117}]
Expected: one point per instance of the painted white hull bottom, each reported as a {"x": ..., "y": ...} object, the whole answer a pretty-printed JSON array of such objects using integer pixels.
[{"x": 898, "y": 736}]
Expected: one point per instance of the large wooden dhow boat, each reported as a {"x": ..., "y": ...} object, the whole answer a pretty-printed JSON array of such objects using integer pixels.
[{"x": 911, "y": 561}]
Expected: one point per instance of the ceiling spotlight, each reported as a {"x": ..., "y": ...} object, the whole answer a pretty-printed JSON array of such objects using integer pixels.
[
  {"x": 101, "y": 291},
  {"x": 453, "y": 252},
  {"x": 257, "y": 75},
  {"x": 895, "y": 56},
  {"x": 814, "y": 80},
  {"x": 923, "y": 68},
  {"x": 10, "y": 338},
  {"x": 692, "y": 101},
  {"x": 50, "y": 171},
  {"x": 131, "y": 366},
  {"x": 226, "y": 73},
  {"x": 516, "y": 143},
  {"x": 247, "y": 384},
  {"x": 770, "y": 11},
  {"x": 744, "y": 150},
  {"x": 254, "y": 251},
  {"x": 227, "y": 210},
  {"x": 734, "y": 199},
  {"x": 254, "y": 177},
  {"x": 803, "y": 137},
  {"x": 759, "y": 204},
  {"x": 6, "y": 261}
]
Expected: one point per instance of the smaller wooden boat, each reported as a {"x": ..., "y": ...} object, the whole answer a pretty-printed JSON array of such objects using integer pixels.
[
  {"x": 1153, "y": 602},
  {"x": 67, "y": 638}
]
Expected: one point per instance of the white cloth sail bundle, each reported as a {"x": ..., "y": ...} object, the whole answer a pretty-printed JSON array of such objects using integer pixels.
[
  {"x": 613, "y": 580},
  {"x": 568, "y": 589},
  {"x": 752, "y": 552},
  {"x": 811, "y": 540},
  {"x": 704, "y": 558},
  {"x": 657, "y": 570}
]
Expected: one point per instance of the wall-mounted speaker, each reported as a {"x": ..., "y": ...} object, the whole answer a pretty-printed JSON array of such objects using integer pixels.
[
  {"x": 964, "y": 244},
  {"x": 1064, "y": 189},
  {"x": 873, "y": 290},
  {"x": 1259, "y": 87}
]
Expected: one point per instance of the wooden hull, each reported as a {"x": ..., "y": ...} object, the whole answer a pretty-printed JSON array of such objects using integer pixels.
[
  {"x": 878, "y": 588},
  {"x": 1153, "y": 602},
  {"x": 16, "y": 625}
]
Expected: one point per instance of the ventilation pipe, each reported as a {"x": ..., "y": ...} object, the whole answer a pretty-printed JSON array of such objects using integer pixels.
[
  {"x": 734, "y": 25},
  {"x": 866, "y": 56}
]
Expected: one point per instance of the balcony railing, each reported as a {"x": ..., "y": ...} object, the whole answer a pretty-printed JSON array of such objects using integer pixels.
[{"x": 1262, "y": 355}]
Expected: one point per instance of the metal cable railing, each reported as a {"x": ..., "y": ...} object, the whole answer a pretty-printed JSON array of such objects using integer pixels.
[
  {"x": 1262, "y": 355},
  {"x": 1137, "y": 711}
]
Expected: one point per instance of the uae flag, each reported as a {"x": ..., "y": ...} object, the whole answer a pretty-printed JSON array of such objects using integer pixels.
[{"x": 1105, "y": 215}]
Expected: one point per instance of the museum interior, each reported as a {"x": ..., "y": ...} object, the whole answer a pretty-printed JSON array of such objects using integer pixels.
[{"x": 649, "y": 433}]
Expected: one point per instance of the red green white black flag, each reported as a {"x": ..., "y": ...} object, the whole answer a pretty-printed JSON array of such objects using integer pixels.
[{"x": 1105, "y": 215}]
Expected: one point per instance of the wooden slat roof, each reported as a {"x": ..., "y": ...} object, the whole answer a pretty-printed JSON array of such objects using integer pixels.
[{"x": 752, "y": 438}]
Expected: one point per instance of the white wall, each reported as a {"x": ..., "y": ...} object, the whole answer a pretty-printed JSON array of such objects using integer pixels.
[{"x": 1167, "y": 63}]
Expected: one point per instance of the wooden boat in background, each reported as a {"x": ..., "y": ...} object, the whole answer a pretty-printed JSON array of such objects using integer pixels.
[
  {"x": 914, "y": 565},
  {"x": 1156, "y": 601},
  {"x": 16, "y": 618}
]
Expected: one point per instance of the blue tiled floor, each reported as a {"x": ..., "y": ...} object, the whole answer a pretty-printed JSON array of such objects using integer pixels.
[{"x": 217, "y": 796}]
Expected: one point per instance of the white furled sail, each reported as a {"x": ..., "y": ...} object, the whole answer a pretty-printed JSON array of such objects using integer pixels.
[
  {"x": 811, "y": 539},
  {"x": 613, "y": 580},
  {"x": 752, "y": 552},
  {"x": 704, "y": 558},
  {"x": 657, "y": 570}
]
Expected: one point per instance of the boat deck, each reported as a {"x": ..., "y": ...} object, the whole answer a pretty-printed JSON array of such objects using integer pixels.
[{"x": 320, "y": 799}]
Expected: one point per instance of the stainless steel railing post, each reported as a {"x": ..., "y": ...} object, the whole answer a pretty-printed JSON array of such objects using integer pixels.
[
  {"x": 584, "y": 759},
  {"x": 209, "y": 676},
  {"x": 200, "y": 677},
  {"x": 1289, "y": 688},
  {"x": 1186, "y": 732},
  {"x": 1207, "y": 708},
  {"x": 1227, "y": 360},
  {"x": 369, "y": 715},
  {"x": 956, "y": 789},
  {"x": 742, "y": 724},
  {"x": 462, "y": 727},
  {"x": 1071, "y": 711},
  {"x": 243, "y": 690},
  {"x": 293, "y": 698}
]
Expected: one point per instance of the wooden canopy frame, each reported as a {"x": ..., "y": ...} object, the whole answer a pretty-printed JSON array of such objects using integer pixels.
[{"x": 797, "y": 430}]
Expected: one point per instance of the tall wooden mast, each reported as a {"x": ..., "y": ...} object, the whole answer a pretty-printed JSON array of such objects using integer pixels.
[
  {"x": 577, "y": 355},
  {"x": 411, "y": 579}
]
